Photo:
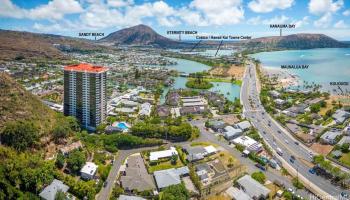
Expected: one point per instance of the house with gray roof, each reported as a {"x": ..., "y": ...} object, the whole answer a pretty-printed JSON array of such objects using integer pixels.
[
  {"x": 216, "y": 125},
  {"x": 253, "y": 188},
  {"x": 237, "y": 194},
  {"x": 135, "y": 176},
  {"x": 165, "y": 178},
  {"x": 194, "y": 153},
  {"x": 330, "y": 137},
  {"x": 344, "y": 140},
  {"x": 340, "y": 116},
  {"x": 49, "y": 192},
  {"x": 337, "y": 154},
  {"x": 244, "y": 125},
  {"x": 231, "y": 133}
]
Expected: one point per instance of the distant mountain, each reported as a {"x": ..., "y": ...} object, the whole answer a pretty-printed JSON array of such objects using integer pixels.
[
  {"x": 295, "y": 41},
  {"x": 140, "y": 35},
  {"x": 19, "y": 104},
  {"x": 25, "y": 45}
]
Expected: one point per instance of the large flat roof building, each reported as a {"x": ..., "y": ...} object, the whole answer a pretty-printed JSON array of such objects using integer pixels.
[{"x": 85, "y": 94}]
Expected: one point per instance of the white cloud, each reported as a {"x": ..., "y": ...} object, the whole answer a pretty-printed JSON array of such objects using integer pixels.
[
  {"x": 8, "y": 9},
  {"x": 254, "y": 20},
  {"x": 55, "y": 9},
  {"x": 319, "y": 7},
  {"x": 264, "y": 6},
  {"x": 346, "y": 13},
  {"x": 302, "y": 22},
  {"x": 120, "y": 3},
  {"x": 276, "y": 20},
  {"x": 340, "y": 24},
  {"x": 192, "y": 18},
  {"x": 324, "y": 21},
  {"x": 213, "y": 12}
]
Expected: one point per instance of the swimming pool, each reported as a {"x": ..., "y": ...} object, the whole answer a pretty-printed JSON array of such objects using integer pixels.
[{"x": 122, "y": 125}]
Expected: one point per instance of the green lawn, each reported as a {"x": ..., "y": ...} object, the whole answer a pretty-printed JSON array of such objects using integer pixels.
[
  {"x": 164, "y": 165},
  {"x": 238, "y": 82},
  {"x": 345, "y": 159}
]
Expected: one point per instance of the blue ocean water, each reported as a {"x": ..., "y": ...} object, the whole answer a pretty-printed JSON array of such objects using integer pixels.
[{"x": 325, "y": 65}]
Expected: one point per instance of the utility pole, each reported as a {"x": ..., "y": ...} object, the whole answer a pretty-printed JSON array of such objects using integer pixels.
[{"x": 280, "y": 32}]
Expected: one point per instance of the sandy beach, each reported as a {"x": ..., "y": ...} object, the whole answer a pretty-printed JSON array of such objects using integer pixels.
[{"x": 284, "y": 77}]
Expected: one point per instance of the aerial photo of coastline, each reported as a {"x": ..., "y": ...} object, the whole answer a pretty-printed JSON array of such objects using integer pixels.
[{"x": 175, "y": 99}]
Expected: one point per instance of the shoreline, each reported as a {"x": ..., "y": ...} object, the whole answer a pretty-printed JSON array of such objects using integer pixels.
[{"x": 284, "y": 77}]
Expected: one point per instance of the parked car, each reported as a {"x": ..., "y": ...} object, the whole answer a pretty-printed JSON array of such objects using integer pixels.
[
  {"x": 344, "y": 194},
  {"x": 260, "y": 166},
  {"x": 312, "y": 171}
]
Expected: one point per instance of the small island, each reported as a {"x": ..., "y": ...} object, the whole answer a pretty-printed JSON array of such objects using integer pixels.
[{"x": 198, "y": 83}]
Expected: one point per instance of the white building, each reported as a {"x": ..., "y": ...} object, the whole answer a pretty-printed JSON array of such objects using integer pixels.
[
  {"x": 145, "y": 109},
  {"x": 249, "y": 143},
  {"x": 193, "y": 101},
  {"x": 88, "y": 171},
  {"x": 154, "y": 156}
]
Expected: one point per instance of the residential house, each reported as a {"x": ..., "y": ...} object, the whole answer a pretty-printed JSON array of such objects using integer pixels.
[
  {"x": 145, "y": 109},
  {"x": 192, "y": 110},
  {"x": 198, "y": 152},
  {"x": 336, "y": 154},
  {"x": 330, "y": 137},
  {"x": 280, "y": 102},
  {"x": 173, "y": 98},
  {"x": 253, "y": 188},
  {"x": 347, "y": 130},
  {"x": 237, "y": 194},
  {"x": 135, "y": 176},
  {"x": 232, "y": 133},
  {"x": 244, "y": 125},
  {"x": 216, "y": 125},
  {"x": 165, "y": 178},
  {"x": 249, "y": 143},
  {"x": 340, "y": 116},
  {"x": 193, "y": 101},
  {"x": 344, "y": 140},
  {"x": 163, "y": 111},
  {"x": 88, "y": 171},
  {"x": 274, "y": 93},
  {"x": 155, "y": 156},
  {"x": 49, "y": 192}
]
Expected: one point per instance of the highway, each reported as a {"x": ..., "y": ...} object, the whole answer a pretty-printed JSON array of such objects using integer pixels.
[{"x": 277, "y": 137}]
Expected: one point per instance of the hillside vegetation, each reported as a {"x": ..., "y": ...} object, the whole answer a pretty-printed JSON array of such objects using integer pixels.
[
  {"x": 16, "y": 45},
  {"x": 18, "y": 104}
]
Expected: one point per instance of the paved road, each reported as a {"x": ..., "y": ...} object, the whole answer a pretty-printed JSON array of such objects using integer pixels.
[{"x": 276, "y": 136}]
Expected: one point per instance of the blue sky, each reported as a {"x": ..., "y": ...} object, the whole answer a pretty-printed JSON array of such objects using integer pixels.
[{"x": 218, "y": 17}]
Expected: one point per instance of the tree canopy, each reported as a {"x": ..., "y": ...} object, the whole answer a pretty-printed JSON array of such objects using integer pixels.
[
  {"x": 176, "y": 192},
  {"x": 20, "y": 135}
]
